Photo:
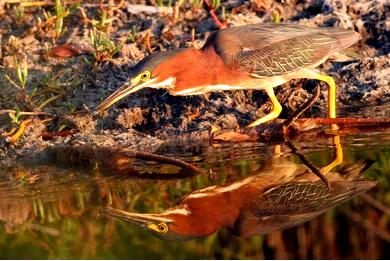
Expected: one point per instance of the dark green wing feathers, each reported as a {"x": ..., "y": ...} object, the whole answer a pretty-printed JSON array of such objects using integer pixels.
[
  {"x": 282, "y": 57},
  {"x": 295, "y": 198},
  {"x": 300, "y": 198},
  {"x": 266, "y": 50}
]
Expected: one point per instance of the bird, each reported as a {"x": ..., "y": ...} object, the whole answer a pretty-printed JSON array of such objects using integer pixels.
[
  {"x": 280, "y": 195},
  {"x": 247, "y": 57}
]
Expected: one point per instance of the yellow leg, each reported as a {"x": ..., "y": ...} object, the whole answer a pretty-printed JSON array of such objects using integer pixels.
[
  {"x": 277, "y": 109},
  {"x": 331, "y": 95},
  {"x": 338, "y": 157},
  {"x": 277, "y": 151}
]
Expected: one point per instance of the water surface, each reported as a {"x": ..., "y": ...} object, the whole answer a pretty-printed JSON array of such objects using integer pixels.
[{"x": 55, "y": 211}]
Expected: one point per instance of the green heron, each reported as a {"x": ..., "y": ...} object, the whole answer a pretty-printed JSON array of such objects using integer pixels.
[
  {"x": 280, "y": 195},
  {"x": 256, "y": 57}
]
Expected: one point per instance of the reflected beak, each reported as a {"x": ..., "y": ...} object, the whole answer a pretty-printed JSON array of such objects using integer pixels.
[
  {"x": 142, "y": 220},
  {"x": 119, "y": 94}
]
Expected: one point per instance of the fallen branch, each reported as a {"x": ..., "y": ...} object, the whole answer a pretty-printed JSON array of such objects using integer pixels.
[
  {"x": 348, "y": 122},
  {"x": 52, "y": 135},
  {"x": 308, "y": 164},
  {"x": 120, "y": 160},
  {"x": 274, "y": 130},
  {"x": 296, "y": 114},
  {"x": 161, "y": 159}
]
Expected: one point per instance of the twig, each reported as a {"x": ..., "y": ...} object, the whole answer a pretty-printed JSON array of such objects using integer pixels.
[
  {"x": 220, "y": 24},
  {"x": 13, "y": 82},
  {"x": 34, "y": 113},
  {"x": 120, "y": 5},
  {"x": 147, "y": 42},
  {"x": 8, "y": 133},
  {"x": 310, "y": 165},
  {"x": 296, "y": 114},
  {"x": 51, "y": 99},
  {"x": 28, "y": 4},
  {"x": 110, "y": 11}
]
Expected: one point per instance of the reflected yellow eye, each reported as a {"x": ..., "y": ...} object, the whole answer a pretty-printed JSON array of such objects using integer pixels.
[
  {"x": 145, "y": 76},
  {"x": 162, "y": 228},
  {"x": 159, "y": 228}
]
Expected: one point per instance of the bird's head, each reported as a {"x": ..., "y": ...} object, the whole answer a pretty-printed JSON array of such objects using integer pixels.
[
  {"x": 172, "y": 225},
  {"x": 147, "y": 73}
]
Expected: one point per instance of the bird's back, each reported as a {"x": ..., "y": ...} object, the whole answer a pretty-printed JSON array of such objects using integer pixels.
[
  {"x": 262, "y": 35},
  {"x": 275, "y": 49},
  {"x": 291, "y": 204}
]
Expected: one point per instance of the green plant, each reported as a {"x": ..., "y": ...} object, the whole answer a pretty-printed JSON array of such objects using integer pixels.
[
  {"x": 160, "y": 3},
  {"x": 196, "y": 3},
  {"x": 15, "y": 116},
  {"x": 61, "y": 12},
  {"x": 21, "y": 73},
  {"x": 103, "y": 21},
  {"x": 53, "y": 24},
  {"x": 18, "y": 12},
  {"x": 54, "y": 86},
  {"x": 104, "y": 48},
  {"x": 131, "y": 38},
  {"x": 215, "y": 3}
]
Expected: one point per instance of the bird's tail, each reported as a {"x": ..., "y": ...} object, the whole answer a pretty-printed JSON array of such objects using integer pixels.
[
  {"x": 344, "y": 38},
  {"x": 355, "y": 170}
]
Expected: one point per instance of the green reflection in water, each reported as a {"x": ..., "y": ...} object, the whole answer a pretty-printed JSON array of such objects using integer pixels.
[{"x": 52, "y": 212}]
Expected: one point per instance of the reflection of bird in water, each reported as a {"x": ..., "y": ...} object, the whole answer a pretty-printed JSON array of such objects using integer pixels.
[{"x": 281, "y": 195}]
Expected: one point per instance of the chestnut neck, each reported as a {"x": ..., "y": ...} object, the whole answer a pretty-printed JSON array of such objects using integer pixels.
[{"x": 195, "y": 68}]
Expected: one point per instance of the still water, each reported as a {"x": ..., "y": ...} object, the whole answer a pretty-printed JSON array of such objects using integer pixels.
[{"x": 252, "y": 200}]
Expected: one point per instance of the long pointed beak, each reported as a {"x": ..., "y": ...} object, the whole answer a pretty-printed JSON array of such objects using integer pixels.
[
  {"x": 119, "y": 94},
  {"x": 142, "y": 220}
]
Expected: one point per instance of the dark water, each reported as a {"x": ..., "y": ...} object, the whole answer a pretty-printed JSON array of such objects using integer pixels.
[{"x": 245, "y": 190}]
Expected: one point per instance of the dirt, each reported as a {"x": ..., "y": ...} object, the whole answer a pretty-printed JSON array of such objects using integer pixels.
[{"x": 145, "y": 120}]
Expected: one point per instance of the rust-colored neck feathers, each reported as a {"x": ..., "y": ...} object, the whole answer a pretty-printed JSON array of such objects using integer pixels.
[
  {"x": 213, "y": 209},
  {"x": 195, "y": 68}
]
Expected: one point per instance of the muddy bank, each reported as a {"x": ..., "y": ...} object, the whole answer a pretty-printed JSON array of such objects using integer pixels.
[{"x": 68, "y": 89}]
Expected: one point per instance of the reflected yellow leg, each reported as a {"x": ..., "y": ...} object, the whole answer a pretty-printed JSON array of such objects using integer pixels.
[
  {"x": 338, "y": 157},
  {"x": 276, "y": 110}
]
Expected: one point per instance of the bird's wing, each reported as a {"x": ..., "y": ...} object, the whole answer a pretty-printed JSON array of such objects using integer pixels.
[
  {"x": 291, "y": 204},
  {"x": 300, "y": 198},
  {"x": 266, "y": 50}
]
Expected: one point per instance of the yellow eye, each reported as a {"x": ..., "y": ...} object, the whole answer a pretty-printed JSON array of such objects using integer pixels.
[
  {"x": 145, "y": 76},
  {"x": 162, "y": 228}
]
